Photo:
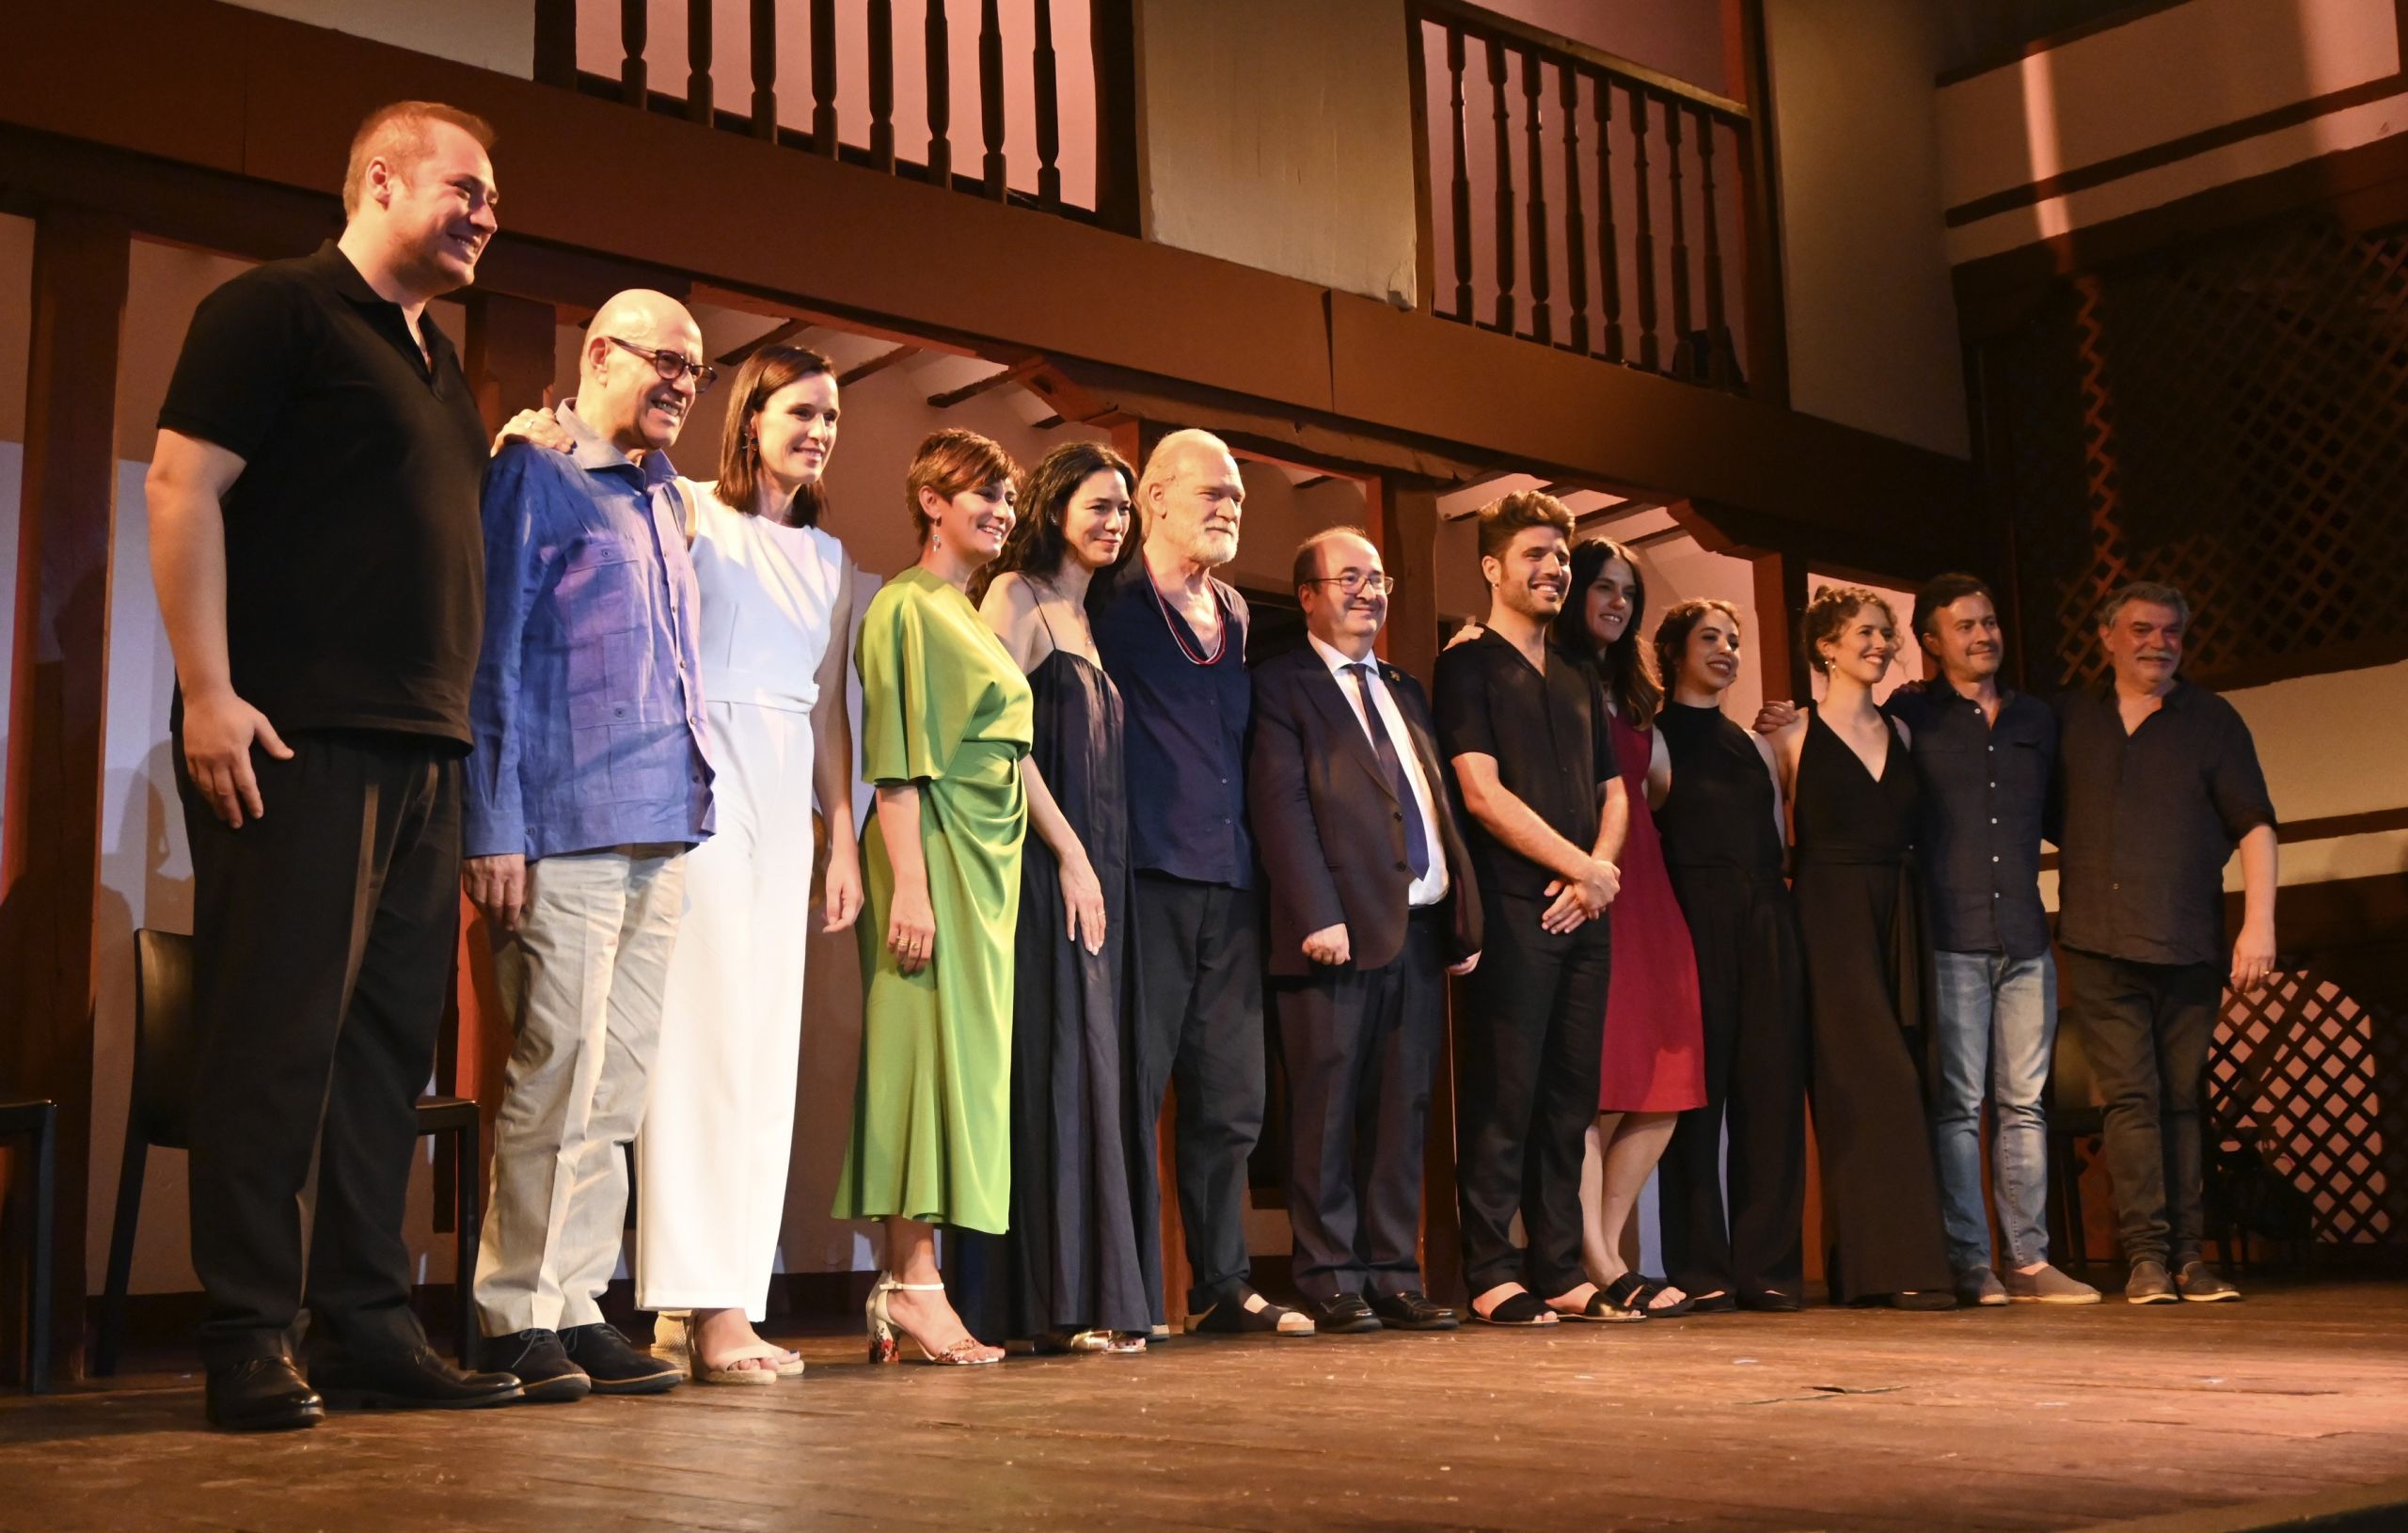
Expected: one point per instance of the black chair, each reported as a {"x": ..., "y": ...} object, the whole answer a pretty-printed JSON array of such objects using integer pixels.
[
  {"x": 36, "y": 1123},
  {"x": 158, "y": 1114},
  {"x": 2075, "y": 1114}
]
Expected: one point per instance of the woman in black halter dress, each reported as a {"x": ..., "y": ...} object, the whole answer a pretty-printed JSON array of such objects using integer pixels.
[
  {"x": 1720, "y": 825},
  {"x": 1868, "y": 973},
  {"x": 1074, "y": 1273}
]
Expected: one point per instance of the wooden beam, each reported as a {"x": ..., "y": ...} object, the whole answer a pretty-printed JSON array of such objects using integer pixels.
[
  {"x": 875, "y": 366},
  {"x": 510, "y": 355},
  {"x": 50, "y": 827},
  {"x": 738, "y": 356},
  {"x": 1001, "y": 377},
  {"x": 1780, "y": 603}
]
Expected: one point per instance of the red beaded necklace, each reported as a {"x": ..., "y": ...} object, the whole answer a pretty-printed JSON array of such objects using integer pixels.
[{"x": 1178, "y": 629}]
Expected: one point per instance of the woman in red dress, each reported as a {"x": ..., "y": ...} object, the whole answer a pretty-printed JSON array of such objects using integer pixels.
[{"x": 1655, "y": 1049}]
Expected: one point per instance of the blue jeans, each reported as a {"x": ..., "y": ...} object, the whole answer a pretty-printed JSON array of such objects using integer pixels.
[{"x": 1996, "y": 1034}]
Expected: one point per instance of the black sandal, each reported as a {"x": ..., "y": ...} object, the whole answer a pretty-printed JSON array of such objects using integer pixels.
[
  {"x": 1523, "y": 1308},
  {"x": 1654, "y": 1311},
  {"x": 1602, "y": 1309},
  {"x": 1628, "y": 1293}
]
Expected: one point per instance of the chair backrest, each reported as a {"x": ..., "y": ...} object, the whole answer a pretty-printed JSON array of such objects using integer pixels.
[{"x": 164, "y": 1041}]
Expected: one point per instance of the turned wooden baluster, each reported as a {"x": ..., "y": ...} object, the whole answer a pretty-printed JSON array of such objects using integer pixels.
[
  {"x": 1459, "y": 191},
  {"x": 698, "y": 60},
  {"x": 635, "y": 21},
  {"x": 1682, "y": 343},
  {"x": 1049, "y": 112},
  {"x": 1717, "y": 336},
  {"x": 1608, "y": 249},
  {"x": 765, "y": 69},
  {"x": 1505, "y": 209},
  {"x": 556, "y": 43},
  {"x": 990, "y": 96},
  {"x": 1542, "y": 317},
  {"x": 1647, "y": 353},
  {"x": 881, "y": 85},
  {"x": 940, "y": 98},
  {"x": 823, "y": 77},
  {"x": 1576, "y": 232}
]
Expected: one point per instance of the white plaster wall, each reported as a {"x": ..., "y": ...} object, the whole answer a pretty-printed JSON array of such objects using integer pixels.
[
  {"x": 1872, "y": 330},
  {"x": 490, "y": 34},
  {"x": 1280, "y": 137}
]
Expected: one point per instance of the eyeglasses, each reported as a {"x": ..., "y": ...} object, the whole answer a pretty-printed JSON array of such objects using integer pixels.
[
  {"x": 672, "y": 366},
  {"x": 1354, "y": 582}
]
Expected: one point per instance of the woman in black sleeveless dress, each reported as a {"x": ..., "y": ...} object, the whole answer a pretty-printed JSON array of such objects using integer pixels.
[
  {"x": 1074, "y": 1272},
  {"x": 1868, "y": 970},
  {"x": 1720, "y": 822}
]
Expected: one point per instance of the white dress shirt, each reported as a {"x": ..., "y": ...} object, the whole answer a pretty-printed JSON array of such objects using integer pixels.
[{"x": 1432, "y": 886}]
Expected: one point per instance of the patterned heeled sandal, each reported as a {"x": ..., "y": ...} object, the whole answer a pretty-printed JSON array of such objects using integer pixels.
[{"x": 885, "y": 1336}]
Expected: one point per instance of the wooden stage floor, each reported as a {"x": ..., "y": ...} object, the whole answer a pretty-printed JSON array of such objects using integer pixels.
[{"x": 2021, "y": 1418}]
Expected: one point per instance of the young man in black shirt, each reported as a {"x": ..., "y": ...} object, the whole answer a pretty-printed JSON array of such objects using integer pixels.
[
  {"x": 2158, "y": 781},
  {"x": 1524, "y": 727},
  {"x": 318, "y": 556}
]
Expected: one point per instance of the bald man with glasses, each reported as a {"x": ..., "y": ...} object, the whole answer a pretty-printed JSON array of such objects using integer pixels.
[{"x": 588, "y": 782}]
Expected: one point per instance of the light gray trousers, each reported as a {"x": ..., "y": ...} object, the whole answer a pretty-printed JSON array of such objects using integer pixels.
[{"x": 583, "y": 979}]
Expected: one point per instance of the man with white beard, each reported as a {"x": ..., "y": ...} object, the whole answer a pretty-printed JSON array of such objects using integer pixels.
[{"x": 1173, "y": 640}]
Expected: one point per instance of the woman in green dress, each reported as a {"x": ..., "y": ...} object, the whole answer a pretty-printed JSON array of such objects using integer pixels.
[{"x": 946, "y": 722}]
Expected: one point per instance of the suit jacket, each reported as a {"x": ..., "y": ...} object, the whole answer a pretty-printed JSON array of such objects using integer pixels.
[{"x": 1326, "y": 821}]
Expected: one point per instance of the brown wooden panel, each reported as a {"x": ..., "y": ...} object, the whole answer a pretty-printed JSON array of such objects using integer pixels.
[
  {"x": 49, "y": 833},
  {"x": 183, "y": 101},
  {"x": 1551, "y": 411}
]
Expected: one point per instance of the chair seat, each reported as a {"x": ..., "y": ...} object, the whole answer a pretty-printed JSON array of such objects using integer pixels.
[{"x": 439, "y": 1114}]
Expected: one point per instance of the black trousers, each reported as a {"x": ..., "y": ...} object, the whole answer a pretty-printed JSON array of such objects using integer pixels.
[
  {"x": 324, "y": 935},
  {"x": 1526, "y": 1077},
  {"x": 2146, "y": 1027},
  {"x": 1360, "y": 1048},
  {"x": 1752, "y": 992},
  {"x": 1199, "y": 1027}
]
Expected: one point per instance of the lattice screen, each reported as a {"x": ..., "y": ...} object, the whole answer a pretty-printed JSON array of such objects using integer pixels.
[
  {"x": 2230, "y": 417},
  {"x": 2303, "y": 1071}
]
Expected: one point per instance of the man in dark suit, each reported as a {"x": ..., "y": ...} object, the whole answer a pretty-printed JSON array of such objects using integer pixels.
[{"x": 1371, "y": 897}]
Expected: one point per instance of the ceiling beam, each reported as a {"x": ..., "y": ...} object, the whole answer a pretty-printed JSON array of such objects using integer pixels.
[
  {"x": 779, "y": 337},
  {"x": 1017, "y": 373},
  {"x": 875, "y": 366}
]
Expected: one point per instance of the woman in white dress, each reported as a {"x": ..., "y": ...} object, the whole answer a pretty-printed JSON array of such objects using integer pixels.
[{"x": 776, "y": 611}]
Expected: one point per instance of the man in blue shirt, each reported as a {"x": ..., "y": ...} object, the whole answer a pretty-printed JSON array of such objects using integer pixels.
[{"x": 587, "y": 784}]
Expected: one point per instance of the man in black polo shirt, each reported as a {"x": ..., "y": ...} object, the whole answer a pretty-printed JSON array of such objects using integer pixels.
[
  {"x": 2158, "y": 781},
  {"x": 1524, "y": 726},
  {"x": 318, "y": 555}
]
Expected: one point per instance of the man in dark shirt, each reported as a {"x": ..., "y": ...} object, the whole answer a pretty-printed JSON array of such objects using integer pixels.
[
  {"x": 314, "y": 541},
  {"x": 1985, "y": 755},
  {"x": 2158, "y": 781},
  {"x": 1524, "y": 727},
  {"x": 1173, "y": 639}
]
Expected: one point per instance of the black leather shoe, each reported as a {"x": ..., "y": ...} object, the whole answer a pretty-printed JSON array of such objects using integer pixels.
[
  {"x": 261, "y": 1394},
  {"x": 1413, "y": 1310},
  {"x": 615, "y": 1363},
  {"x": 1770, "y": 1302},
  {"x": 1345, "y": 1314},
  {"x": 411, "y": 1381},
  {"x": 541, "y": 1365}
]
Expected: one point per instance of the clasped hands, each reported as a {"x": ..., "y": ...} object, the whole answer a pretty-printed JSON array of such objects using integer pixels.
[{"x": 1581, "y": 899}]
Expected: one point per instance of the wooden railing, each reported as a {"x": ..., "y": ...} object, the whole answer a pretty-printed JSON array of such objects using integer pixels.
[
  {"x": 1581, "y": 200},
  {"x": 611, "y": 48}
]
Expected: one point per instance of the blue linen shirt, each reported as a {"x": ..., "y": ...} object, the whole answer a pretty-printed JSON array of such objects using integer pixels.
[
  {"x": 586, "y": 713},
  {"x": 1985, "y": 802}
]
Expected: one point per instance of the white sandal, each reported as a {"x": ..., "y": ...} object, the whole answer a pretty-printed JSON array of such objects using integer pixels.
[{"x": 782, "y": 1364}]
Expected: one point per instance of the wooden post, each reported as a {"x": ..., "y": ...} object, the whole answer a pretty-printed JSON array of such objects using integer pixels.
[
  {"x": 1119, "y": 170},
  {"x": 1506, "y": 212},
  {"x": 697, "y": 61},
  {"x": 823, "y": 77},
  {"x": 1759, "y": 207},
  {"x": 635, "y": 27},
  {"x": 50, "y": 828},
  {"x": 765, "y": 69},
  {"x": 1459, "y": 186},
  {"x": 939, "y": 73},
  {"x": 556, "y": 43},
  {"x": 1049, "y": 111},
  {"x": 1781, "y": 602},
  {"x": 882, "y": 86},
  {"x": 990, "y": 100}
]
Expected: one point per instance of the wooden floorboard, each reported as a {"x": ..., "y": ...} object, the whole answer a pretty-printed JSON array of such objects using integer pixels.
[{"x": 2026, "y": 1418}]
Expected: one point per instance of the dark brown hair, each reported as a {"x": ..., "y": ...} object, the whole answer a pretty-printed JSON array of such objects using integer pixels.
[
  {"x": 953, "y": 462},
  {"x": 1943, "y": 592},
  {"x": 1036, "y": 545},
  {"x": 1508, "y": 514},
  {"x": 1826, "y": 616},
  {"x": 1307, "y": 566},
  {"x": 1630, "y": 679},
  {"x": 397, "y": 130},
  {"x": 1680, "y": 621},
  {"x": 2142, "y": 591},
  {"x": 757, "y": 382}
]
